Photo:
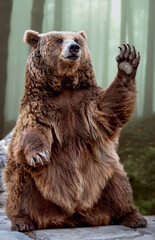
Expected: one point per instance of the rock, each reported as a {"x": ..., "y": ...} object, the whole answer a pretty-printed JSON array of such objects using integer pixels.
[
  {"x": 1, "y": 182},
  {"x": 5, "y": 235},
  {"x": 92, "y": 233},
  {"x": 3, "y": 150}
]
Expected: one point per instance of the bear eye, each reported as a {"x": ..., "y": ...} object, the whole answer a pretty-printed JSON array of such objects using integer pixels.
[
  {"x": 76, "y": 40},
  {"x": 59, "y": 41}
]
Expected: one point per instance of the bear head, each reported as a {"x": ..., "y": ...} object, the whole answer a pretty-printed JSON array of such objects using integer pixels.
[{"x": 62, "y": 54}]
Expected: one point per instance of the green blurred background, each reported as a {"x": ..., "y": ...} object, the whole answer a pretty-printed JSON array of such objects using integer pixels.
[{"x": 108, "y": 23}]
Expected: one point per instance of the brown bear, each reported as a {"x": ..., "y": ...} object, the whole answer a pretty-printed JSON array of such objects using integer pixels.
[{"x": 62, "y": 165}]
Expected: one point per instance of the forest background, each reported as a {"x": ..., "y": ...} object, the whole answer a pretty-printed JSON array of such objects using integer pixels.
[{"x": 108, "y": 24}]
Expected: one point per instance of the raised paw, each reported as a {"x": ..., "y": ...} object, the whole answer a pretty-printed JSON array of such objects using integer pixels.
[
  {"x": 128, "y": 60},
  {"x": 40, "y": 158}
]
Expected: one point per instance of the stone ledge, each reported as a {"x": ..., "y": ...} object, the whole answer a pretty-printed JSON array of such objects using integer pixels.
[
  {"x": 92, "y": 233},
  {"x": 3, "y": 150}
]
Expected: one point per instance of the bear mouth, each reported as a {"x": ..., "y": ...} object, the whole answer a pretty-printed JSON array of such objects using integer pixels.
[{"x": 73, "y": 57}]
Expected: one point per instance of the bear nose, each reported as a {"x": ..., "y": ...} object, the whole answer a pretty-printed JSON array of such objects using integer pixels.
[{"x": 74, "y": 48}]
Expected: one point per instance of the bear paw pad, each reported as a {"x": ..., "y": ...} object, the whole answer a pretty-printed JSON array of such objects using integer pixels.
[{"x": 128, "y": 60}]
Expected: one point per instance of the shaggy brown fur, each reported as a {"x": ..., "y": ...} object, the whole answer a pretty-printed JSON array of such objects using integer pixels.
[{"x": 62, "y": 165}]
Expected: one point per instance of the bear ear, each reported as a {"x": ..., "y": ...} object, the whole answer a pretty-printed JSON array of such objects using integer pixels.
[
  {"x": 31, "y": 37},
  {"x": 83, "y": 34}
]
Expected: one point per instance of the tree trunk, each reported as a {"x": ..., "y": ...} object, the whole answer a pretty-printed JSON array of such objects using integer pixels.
[
  {"x": 37, "y": 15},
  {"x": 130, "y": 23},
  {"x": 129, "y": 28},
  {"x": 5, "y": 16},
  {"x": 106, "y": 45},
  {"x": 123, "y": 21},
  {"x": 67, "y": 17},
  {"x": 89, "y": 23},
  {"x": 58, "y": 15},
  {"x": 149, "y": 74}
]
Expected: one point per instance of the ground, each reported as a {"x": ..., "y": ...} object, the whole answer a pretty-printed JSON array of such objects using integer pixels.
[{"x": 92, "y": 233}]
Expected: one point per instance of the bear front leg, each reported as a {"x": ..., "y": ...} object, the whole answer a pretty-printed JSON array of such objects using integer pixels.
[
  {"x": 35, "y": 148},
  {"x": 118, "y": 102}
]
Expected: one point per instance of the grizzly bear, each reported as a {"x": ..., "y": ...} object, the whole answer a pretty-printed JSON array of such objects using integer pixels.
[{"x": 62, "y": 165}]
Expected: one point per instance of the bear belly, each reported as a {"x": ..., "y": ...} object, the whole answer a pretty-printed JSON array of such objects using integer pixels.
[
  {"x": 81, "y": 161},
  {"x": 74, "y": 180}
]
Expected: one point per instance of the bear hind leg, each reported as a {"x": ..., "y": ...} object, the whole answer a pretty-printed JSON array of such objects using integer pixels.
[
  {"x": 22, "y": 224},
  {"x": 116, "y": 206},
  {"x": 134, "y": 220}
]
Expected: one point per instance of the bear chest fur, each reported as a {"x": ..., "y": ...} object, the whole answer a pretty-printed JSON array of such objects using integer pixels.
[
  {"x": 68, "y": 117},
  {"x": 81, "y": 160}
]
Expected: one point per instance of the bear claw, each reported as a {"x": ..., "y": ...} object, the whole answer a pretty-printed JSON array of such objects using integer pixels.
[
  {"x": 45, "y": 154},
  {"x": 40, "y": 158},
  {"x": 128, "y": 59},
  {"x": 32, "y": 162}
]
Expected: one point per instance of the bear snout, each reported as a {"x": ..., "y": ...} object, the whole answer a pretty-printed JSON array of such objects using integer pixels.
[
  {"x": 71, "y": 51},
  {"x": 74, "y": 48}
]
